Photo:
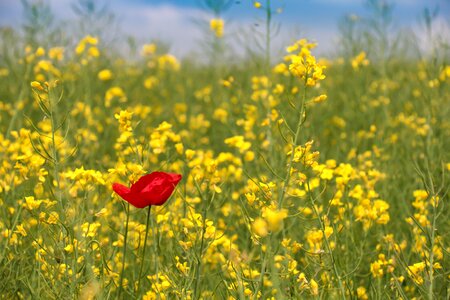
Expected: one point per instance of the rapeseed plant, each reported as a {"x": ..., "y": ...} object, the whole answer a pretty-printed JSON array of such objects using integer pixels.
[{"x": 302, "y": 178}]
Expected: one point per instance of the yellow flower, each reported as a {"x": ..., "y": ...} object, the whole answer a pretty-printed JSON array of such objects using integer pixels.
[
  {"x": 4, "y": 72},
  {"x": 274, "y": 218},
  {"x": 37, "y": 85},
  {"x": 31, "y": 203},
  {"x": 168, "y": 62},
  {"x": 238, "y": 142},
  {"x": 415, "y": 272},
  {"x": 124, "y": 118},
  {"x": 216, "y": 26},
  {"x": 376, "y": 269},
  {"x": 40, "y": 52},
  {"x": 361, "y": 292},
  {"x": 69, "y": 248},
  {"x": 93, "y": 52},
  {"x": 114, "y": 92},
  {"x": 90, "y": 229},
  {"x": 21, "y": 229},
  {"x": 320, "y": 98},
  {"x": 148, "y": 49},
  {"x": 53, "y": 218},
  {"x": 314, "y": 287},
  {"x": 150, "y": 82},
  {"x": 259, "y": 227},
  {"x": 182, "y": 267},
  {"x": 56, "y": 53},
  {"x": 105, "y": 75},
  {"x": 359, "y": 60}
]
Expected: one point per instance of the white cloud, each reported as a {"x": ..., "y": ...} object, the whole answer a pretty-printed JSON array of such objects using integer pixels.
[
  {"x": 440, "y": 34},
  {"x": 362, "y": 2},
  {"x": 177, "y": 25},
  {"x": 168, "y": 23}
]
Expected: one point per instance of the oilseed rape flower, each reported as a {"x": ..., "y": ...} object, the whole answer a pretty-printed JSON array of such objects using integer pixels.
[
  {"x": 274, "y": 218},
  {"x": 168, "y": 62},
  {"x": 303, "y": 65},
  {"x": 114, "y": 93},
  {"x": 238, "y": 142},
  {"x": 261, "y": 211},
  {"x": 359, "y": 60},
  {"x": 37, "y": 85},
  {"x": 56, "y": 53},
  {"x": 150, "y": 82},
  {"x": 320, "y": 98},
  {"x": 124, "y": 118},
  {"x": 305, "y": 155},
  {"x": 88, "y": 41},
  {"x": 105, "y": 75},
  {"x": 259, "y": 227},
  {"x": 216, "y": 26},
  {"x": 415, "y": 272},
  {"x": 148, "y": 49},
  {"x": 271, "y": 221}
]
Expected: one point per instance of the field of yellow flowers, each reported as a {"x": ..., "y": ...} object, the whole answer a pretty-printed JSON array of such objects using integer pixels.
[{"x": 304, "y": 179}]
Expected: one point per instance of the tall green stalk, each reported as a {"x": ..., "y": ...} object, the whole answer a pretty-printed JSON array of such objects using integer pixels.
[
  {"x": 54, "y": 127},
  {"x": 295, "y": 142},
  {"x": 127, "y": 208},
  {"x": 143, "y": 250},
  {"x": 155, "y": 250},
  {"x": 268, "y": 33},
  {"x": 327, "y": 243}
]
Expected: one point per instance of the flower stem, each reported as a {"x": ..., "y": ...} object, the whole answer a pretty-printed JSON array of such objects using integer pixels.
[
  {"x": 199, "y": 261},
  {"x": 327, "y": 243},
  {"x": 268, "y": 33},
  {"x": 143, "y": 250},
  {"x": 124, "y": 249},
  {"x": 155, "y": 251},
  {"x": 294, "y": 144}
]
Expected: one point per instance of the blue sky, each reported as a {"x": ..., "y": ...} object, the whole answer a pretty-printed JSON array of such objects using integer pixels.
[
  {"x": 311, "y": 11},
  {"x": 172, "y": 20}
]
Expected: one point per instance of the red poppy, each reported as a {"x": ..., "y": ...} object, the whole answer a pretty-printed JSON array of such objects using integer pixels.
[{"x": 150, "y": 189}]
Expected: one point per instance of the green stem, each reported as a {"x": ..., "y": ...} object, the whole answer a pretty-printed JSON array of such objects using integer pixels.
[
  {"x": 143, "y": 250},
  {"x": 268, "y": 21},
  {"x": 327, "y": 243},
  {"x": 124, "y": 250},
  {"x": 199, "y": 260},
  {"x": 432, "y": 239},
  {"x": 23, "y": 89},
  {"x": 155, "y": 251},
  {"x": 54, "y": 148},
  {"x": 263, "y": 269},
  {"x": 294, "y": 144}
]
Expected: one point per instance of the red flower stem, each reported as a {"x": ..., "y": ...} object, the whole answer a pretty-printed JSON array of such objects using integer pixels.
[
  {"x": 143, "y": 250},
  {"x": 124, "y": 250}
]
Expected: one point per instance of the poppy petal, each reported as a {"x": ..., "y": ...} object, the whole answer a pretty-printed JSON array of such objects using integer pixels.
[
  {"x": 151, "y": 189},
  {"x": 120, "y": 189},
  {"x": 128, "y": 196},
  {"x": 144, "y": 182}
]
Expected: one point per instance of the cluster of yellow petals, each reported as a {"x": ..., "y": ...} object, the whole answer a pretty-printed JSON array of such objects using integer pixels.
[{"x": 217, "y": 26}]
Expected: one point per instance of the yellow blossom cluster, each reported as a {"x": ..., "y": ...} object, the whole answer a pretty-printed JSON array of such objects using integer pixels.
[
  {"x": 359, "y": 60},
  {"x": 217, "y": 26},
  {"x": 261, "y": 212},
  {"x": 303, "y": 64}
]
